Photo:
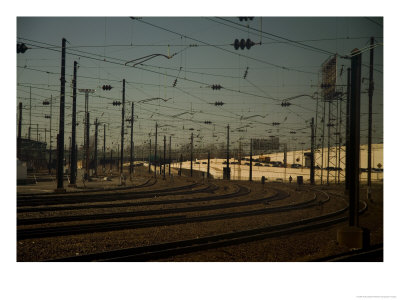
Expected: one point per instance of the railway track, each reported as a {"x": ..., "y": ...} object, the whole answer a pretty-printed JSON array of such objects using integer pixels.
[
  {"x": 240, "y": 192},
  {"x": 372, "y": 253},
  {"x": 110, "y": 196},
  {"x": 166, "y": 250},
  {"x": 162, "y": 221}
]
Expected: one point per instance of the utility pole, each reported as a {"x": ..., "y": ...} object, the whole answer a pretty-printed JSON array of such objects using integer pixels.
[
  {"x": 180, "y": 166},
  {"x": 169, "y": 159},
  {"x": 19, "y": 131},
  {"x": 370, "y": 93},
  {"x": 118, "y": 157},
  {"x": 150, "y": 156},
  {"x": 285, "y": 159},
  {"x": 86, "y": 127},
  {"x": 354, "y": 137},
  {"x": 251, "y": 161},
  {"x": 131, "y": 154},
  {"x": 96, "y": 124},
  {"x": 155, "y": 154},
  {"x": 191, "y": 155},
  {"x": 208, "y": 164},
  {"x": 87, "y": 144},
  {"x": 122, "y": 126},
  {"x": 73, "y": 148},
  {"x": 30, "y": 112},
  {"x": 111, "y": 161},
  {"x": 51, "y": 117},
  {"x": 60, "y": 144},
  {"x": 165, "y": 146},
  {"x": 347, "y": 169},
  {"x": 228, "y": 171},
  {"x": 353, "y": 236},
  {"x": 312, "y": 170},
  {"x": 104, "y": 149}
]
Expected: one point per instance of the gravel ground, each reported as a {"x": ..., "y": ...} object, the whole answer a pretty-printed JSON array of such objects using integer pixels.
[{"x": 298, "y": 247}]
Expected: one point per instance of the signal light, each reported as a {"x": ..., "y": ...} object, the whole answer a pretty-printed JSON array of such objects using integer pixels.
[
  {"x": 219, "y": 103},
  {"x": 216, "y": 86},
  {"x": 107, "y": 87},
  {"x": 292, "y": 132},
  {"x": 47, "y": 117},
  {"x": 116, "y": 103},
  {"x": 45, "y": 102},
  {"x": 21, "y": 48},
  {"x": 207, "y": 122},
  {"x": 275, "y": 123}
]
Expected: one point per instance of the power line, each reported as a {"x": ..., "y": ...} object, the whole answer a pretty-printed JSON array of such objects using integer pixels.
[{"x": 232, "y": 52}]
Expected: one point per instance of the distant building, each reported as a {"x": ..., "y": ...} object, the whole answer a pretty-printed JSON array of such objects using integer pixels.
[
  {"x": 265, "y": 145},
  {"x": 33, "y": 153}
]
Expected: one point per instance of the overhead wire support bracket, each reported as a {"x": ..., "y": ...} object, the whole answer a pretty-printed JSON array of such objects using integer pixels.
[{"x": 146, "y": 58}]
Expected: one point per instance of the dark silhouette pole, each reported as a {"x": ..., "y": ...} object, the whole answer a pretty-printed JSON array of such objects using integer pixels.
[
  {"x": 73, "y": 137},
  {"x": 60, "y": 141},
  {"x": 354, "y": 137}
]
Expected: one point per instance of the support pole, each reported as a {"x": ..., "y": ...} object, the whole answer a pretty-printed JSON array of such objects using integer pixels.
[
  {"x": 191, "y": 155},
  {"x": 30, "y": 112},
  {"x": 131, "y": 154},
  {"x": 370, "y": 93},
  {"x": 312, "y": 170},
  {"x": 19, "y": 131},
  {"x": 150, "y": 156},
  {"x": 169, "y": 159},
  {"x": 60, "y": 142},
  {"x": 165, "y": 147},
  {"x": 51, "y": 117},
  {"x": 228, "y": 173},
  {"x": 347, "y": 167},
  {"x": 354, "y": 137},
  {"x": 208, "y": 164},
  {"x": 96, "y": 124},
  {"x": 155, "y": 154},
  {"x": 251, "y": 161},
  {"x": 180, "y": 166},
  {"x": 87, "y": 144},
  {"x": 104, "y": 148},
  {"x": 73, "y": 135},
  {"x": 122, "y": 126}
]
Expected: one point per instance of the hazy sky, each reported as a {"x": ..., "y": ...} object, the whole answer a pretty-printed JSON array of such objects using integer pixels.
[{"x": 286, "y": 64}]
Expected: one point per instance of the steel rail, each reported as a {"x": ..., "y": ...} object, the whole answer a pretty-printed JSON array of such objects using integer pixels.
[
  {"x": 162, "y": 251},
  {"x": 106, "y": 197}
]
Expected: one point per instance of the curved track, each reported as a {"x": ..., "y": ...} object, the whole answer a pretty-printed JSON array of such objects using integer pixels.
[{"x": 166, "y": 250}]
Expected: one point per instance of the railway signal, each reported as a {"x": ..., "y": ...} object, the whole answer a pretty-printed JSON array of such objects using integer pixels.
[{"x": 107, "y": 87}]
